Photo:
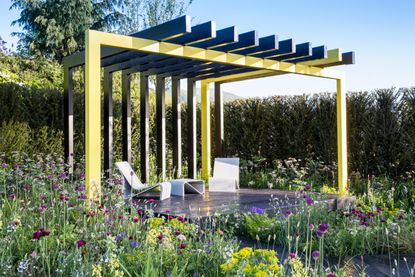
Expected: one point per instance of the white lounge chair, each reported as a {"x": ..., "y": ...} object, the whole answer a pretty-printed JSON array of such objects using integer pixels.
[
  {"x": 131, "y": 181},
  {"x": 225, "y": 175},
  {"x": 181, "y": 186}
]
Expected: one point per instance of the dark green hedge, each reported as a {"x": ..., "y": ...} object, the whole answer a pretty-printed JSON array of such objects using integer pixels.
[{"x": 381, "y": 126}]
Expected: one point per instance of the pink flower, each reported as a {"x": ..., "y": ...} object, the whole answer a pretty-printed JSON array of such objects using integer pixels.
[
  {"x": 331, "y": 275},
  {"x": 33, "y": 254},
  {"x": 293, "y": 255},
  {"x": 80, "y": 243},
  {"x": 151, "y": 200}
]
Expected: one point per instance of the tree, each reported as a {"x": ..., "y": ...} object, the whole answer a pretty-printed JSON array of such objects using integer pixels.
[
  {"x": 3, "y": 47},
  {"x": 141, "y": 14},
  {"x": 56, "y": 28}
]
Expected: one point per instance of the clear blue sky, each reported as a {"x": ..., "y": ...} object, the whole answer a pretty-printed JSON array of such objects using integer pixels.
[{"x": 381, "y": 32}]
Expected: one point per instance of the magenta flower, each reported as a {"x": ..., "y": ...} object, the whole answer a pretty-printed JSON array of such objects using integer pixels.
[
  {"x": 41, "y": 232},
  {"x": 307, "y": 187},
  {"x": 80, "y": 243},
  {"x": 311, "y": 226},
  {"x": 309, "y": 201},
  {"x": 293, "y": 255},
  {"x": 331, "y": 275},
  {"x": 315, "y": 254},
  {"x": 322, "y": 229},
  {"x": 151, "y": 200},
  {"x": 168, "y": 211}
]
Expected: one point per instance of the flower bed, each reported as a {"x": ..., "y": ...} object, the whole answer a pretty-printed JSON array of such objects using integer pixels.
[{"x": 46, "y": 228}]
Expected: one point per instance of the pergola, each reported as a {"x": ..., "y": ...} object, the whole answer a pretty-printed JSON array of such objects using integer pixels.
[{"x": 177, "y": 50}]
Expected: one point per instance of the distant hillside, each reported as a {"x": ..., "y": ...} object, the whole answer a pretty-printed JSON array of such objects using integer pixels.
[{"x": 227, "y": 96}]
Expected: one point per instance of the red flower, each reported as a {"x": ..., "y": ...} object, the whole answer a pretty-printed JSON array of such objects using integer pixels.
[
  {"x": 80, "y": 243},
  {"x": 37, "y": 235},
  {"x": 160, "y": 237},
  {"x": 183, "y": 246},
  {"x": 136, "y": 219},
  {"x": 41, "y": 232},
  {"x": 151, "y": 200}
]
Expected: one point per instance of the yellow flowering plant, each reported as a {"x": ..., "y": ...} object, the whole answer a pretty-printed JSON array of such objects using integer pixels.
[{"x": 249, "y": 262}]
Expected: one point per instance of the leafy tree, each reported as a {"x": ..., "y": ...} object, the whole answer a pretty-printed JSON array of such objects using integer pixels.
[
  {"x": 3, "y": 47},
  {"x": 56, "y": 28},
  {"x": 141, "y": 14}
]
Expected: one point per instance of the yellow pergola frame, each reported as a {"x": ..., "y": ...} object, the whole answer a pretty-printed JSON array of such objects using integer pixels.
[{"x": 95, "y": 39}]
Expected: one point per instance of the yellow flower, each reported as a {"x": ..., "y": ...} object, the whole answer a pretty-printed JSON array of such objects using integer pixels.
[
  {"x": 96, "y": 271},
  {"x": 261, "y": 274},
  {"x": 243, "y": 253}
]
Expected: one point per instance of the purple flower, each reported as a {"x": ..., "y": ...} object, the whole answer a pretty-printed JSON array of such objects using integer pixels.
[
  {"x": 307, "y": 187},
  {"x": 50, "y": 177},
  {"x": 195, "y": 274},
  {"x": 315, "y": 254},
  {"x": 80, "y": 243},
  {"x": 311, "y": 226},
  {"x": 134, "y": 244},
  {"x": 331, "y": 275},
  {"x": 322, "y": 229},
  {"x": 120, "y": 236},
  {"x": 63, "y": 176},
  {"x": 3, "y": 166},
  {"x": 256, "y": 210},
  {"x": 56, "y": 187},
  {"x": 309, "y": 201}
]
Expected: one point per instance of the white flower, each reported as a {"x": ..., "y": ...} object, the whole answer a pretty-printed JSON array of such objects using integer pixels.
[{"x": 181, "y": 237}]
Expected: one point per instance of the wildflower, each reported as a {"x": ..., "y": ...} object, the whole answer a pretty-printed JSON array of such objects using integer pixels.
[
  {"x": 136, "y": 219},
  {"x": 256, "y": 210},
  {"x": 322, "y": 229},
  {"x": 41, "y": 232},
  {"x": 4, "y": 166},
  {"x": 309, "y": 201},
  {"x": 307, "y": 187},
  {"x": 331, "y": 275},
  {"x": 168, "y": 211},
  {"x": 293, "y": 255},
  {"x": 311, "y": 226},
  {"x": 160, "y": 237},
  {"x": 181, "y": 237},
  {"x": 289, "y": 213},
  {"x": 151, "y": 200},
  {"x": 43, "y": 207},
  {"x": 120, "y": 236},
  {"x": 63, "y": 176},
  {"x": 134, "y": 244},
  {"x": 33, "y": 254},
  {"x": 50, "y": 177},
  {"x": 315, "y": 254},
  {"x": 365, "y": 223},
  {"x": 182, "y": 246},
  {"x": 80, "y": 243}
]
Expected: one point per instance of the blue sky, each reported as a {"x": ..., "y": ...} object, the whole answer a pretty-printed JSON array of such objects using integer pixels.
[{"x": 381, "y": 32}]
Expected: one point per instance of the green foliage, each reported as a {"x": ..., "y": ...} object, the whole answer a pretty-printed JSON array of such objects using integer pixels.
[
  {"x": 33, "y": 73},
  {"x": 56, "y": 29},
  {"x": 260, "y": 226},
  {"x": 141, "y": 14}
]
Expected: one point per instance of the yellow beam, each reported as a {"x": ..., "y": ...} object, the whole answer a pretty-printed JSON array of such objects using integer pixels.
[
  {"x": 93, "y": 116},
  {"x": 333, "y": 56},
  {"x": 341, "y": 136},
  {"x": 205, "y": 117},
  {"x": 171, "y": 49}
]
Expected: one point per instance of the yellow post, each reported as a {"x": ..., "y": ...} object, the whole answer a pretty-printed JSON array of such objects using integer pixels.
[
  {"x": 205, "y": 116},
  {"x": 341, "y": 136},
  {"x": 92, "y": 116}
]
